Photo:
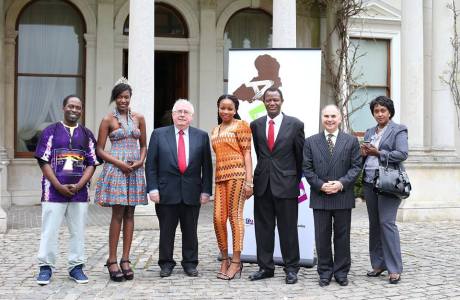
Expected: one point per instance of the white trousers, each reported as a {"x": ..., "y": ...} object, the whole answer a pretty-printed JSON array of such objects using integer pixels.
[{"x": 53, "y": 214}]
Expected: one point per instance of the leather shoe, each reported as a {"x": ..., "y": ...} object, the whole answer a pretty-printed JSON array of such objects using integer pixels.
[
  {"x": 261, "y": 274},
  {"x": 191, "y": 272},
  {"x": 165, "y": 272},
  {"x": 291, "y": 278},
  {"x": 342, "y": 281},
  {"x": 375, "y": 273},
  {"x": 324, "y": 282}
]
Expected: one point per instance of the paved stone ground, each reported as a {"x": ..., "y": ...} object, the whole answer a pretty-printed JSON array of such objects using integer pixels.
[{"x": 431, "y": 254}]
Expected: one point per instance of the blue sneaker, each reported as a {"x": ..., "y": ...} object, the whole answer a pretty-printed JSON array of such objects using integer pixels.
[
  {"x": 78, "y": 275},
  {"x": 44, "y": 276}
]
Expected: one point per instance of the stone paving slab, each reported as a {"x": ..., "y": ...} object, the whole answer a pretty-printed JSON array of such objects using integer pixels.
[{"x": 431, "y": 255}]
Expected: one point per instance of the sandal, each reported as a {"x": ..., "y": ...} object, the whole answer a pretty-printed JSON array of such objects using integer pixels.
[
  {"x": 237, "y": 272},
  {"x": 114, "y": 275},
  {"x": 222, "y": 275},
  {"x": 127, "y": 273}
]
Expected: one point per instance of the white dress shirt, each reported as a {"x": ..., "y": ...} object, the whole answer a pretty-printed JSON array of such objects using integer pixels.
[
  {"x": 333, "y": 137},
  {"x": 278, "y": 119},
  {"x": 186, "y": 142}
]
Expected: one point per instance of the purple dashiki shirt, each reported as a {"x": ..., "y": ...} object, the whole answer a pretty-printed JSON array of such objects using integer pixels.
[{"x": 68, "y": 157}]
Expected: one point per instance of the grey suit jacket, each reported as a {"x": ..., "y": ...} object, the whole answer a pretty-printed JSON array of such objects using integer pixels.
[
  {"x": 320, "y": 167},
  {"x": 393, "y": 143},
  {"x": 283, "y": 165},
  {"x": 162, "y": 171}
]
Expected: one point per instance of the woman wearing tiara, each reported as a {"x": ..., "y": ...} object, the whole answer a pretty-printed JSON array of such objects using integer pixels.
[{"x": 121, "y": 184}]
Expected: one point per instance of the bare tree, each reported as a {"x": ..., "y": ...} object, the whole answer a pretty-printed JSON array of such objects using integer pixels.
[
  {"x": 452, "y": 73},
  {"x": 340, "y": 56}
]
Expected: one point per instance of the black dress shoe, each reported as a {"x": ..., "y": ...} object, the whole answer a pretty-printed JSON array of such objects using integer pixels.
[
  {"x": 375, "y": 273},
  {"x": 393, "y": 279},
  {"x": 191, "y": 272},
  {"x": 261, "y": 274},
  {"x": 166, "y": 272},
  {"x": 291, "y": 278},
  {"x": 324, "y": 282},
  {"x": 342, "y": 281}
]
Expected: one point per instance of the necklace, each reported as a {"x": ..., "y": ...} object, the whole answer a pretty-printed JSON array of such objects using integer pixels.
[{"x": 67, "y": 129}]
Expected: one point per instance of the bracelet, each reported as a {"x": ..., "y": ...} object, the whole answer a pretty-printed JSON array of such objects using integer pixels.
[{"x": 249, "y": 184}]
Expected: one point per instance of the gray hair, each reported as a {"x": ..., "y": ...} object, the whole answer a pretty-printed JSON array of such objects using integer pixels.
[{"x": 183, "y": 101}]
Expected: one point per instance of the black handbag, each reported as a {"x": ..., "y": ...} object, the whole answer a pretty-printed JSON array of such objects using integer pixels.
[{"x": 392, "y": 181}]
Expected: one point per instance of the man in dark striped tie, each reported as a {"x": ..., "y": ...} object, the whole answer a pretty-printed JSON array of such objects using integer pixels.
[{"x": 331, "y": 164}]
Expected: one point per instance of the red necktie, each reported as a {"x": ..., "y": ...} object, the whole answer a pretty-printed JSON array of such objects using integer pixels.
[
  {"x": 181, "y": 153},
  {"x": 271, "y": 134}
]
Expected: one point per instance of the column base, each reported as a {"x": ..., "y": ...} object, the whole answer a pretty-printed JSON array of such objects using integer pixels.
[
  {"x": 435, "y": 192},
  {"x": 145, "y": 217}
]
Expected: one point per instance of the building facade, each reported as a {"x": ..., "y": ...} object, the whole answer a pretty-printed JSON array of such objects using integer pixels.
[{"x": 173, "y": 49}]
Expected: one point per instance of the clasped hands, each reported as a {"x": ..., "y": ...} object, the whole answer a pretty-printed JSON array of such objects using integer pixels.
[
  {"x": 155, "y": 197},
  {"x": 130, "y": 166},
  {"x": 68, "y": 190},
  {"x": 331, "y": 187}
]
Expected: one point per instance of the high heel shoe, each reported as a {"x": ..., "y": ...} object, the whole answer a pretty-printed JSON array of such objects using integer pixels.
[
  {"x": 127, "y": 273},
  {"x": 375, "y": 273},
  {"x": 237, "y": 272},
  {"x": 114, "y": 275},
  {"x": 222, "y": 275},
  {"x": 393, "y": 279}
]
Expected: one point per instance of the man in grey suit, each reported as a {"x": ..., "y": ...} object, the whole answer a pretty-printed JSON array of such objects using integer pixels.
[
  {"x": 179, "y": 179},
  {"x": 331, "y": 164},
  {"x": 278, "y": 141}
]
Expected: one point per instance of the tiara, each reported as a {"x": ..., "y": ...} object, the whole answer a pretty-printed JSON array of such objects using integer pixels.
[{"x": 123, "y": 80}]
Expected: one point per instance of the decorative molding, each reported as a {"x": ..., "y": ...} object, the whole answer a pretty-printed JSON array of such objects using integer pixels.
[
  {"x": 10, "y": 37},
  {"x": 208, "y": 4},
  {"x": 378, "y": 10},
  {"x": 90, "y": 40}
]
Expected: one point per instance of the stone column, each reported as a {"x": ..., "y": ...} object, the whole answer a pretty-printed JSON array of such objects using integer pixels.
[
  {"x": 412, "y": 71},
  {"x": 141, "y": 76},
  {"x": 3, "y": 154},
  {"x": 104, "y": 58},
  {"x": 443, "y": 123},
  {"x": 284, "y": 24},
  {"x": 208, "y": 93}
]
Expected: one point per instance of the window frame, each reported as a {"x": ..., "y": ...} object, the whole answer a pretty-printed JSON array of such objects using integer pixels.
[
  {"x": 387, "y": 87},
  {"x": 82, "y": 76}
]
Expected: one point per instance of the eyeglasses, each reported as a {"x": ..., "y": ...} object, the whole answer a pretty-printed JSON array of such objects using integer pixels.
[{"x": 182, "y": 112}]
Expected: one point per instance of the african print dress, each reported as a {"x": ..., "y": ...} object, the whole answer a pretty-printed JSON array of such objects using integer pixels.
[{"x": 113, "y": 186}]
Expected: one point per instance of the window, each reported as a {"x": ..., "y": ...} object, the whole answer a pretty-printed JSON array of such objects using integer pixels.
[
  {"x": 50, "y": 65},
  {"x": 168, "y": 22},
  {"x": 372, "y": 73},
  {"x": 248, "y": 28}
]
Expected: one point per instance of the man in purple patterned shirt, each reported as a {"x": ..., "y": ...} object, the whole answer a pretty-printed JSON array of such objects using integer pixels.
[{"x": 67, "y": 157}]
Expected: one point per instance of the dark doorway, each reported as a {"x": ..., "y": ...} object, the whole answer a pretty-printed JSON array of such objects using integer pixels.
[{"x": 171, "y": 82}]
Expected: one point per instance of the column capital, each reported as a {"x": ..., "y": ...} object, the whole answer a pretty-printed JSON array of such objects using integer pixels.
[
  {"x": 90, "y": 40},
  {"x": 10, "y": 37},
  {"x": 208, "y": 4}
]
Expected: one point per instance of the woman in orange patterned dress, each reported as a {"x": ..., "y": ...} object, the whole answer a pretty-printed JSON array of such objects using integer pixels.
[{"x": 231, "y": 141}]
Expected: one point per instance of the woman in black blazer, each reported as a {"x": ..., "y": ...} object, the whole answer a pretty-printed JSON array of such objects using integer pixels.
[{"x": 387, "y": 140}]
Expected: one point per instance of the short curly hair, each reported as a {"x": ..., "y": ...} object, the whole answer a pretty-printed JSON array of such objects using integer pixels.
[{"x": 383, "y": 101}]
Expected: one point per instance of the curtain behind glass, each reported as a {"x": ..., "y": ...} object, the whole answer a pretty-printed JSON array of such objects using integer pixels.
[
  {"x": 50, "y": 41},
  {"x": 370, "y": 72}
]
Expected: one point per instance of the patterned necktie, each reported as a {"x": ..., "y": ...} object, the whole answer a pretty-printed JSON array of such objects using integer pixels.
[
  {"x": 330, "y": 143},
  {"x": 271, "y": 135},
  {"x": 182, "y": 163}
]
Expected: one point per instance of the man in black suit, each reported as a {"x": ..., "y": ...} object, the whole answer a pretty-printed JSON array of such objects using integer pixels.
[
  {"x": 179, "y": 180},
  {"x": 331, "y": 164},
  {"x": 278, "y": 141}
]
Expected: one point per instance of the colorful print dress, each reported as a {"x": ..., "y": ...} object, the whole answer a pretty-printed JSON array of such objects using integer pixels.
[{"x": 113, "y": 186}]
